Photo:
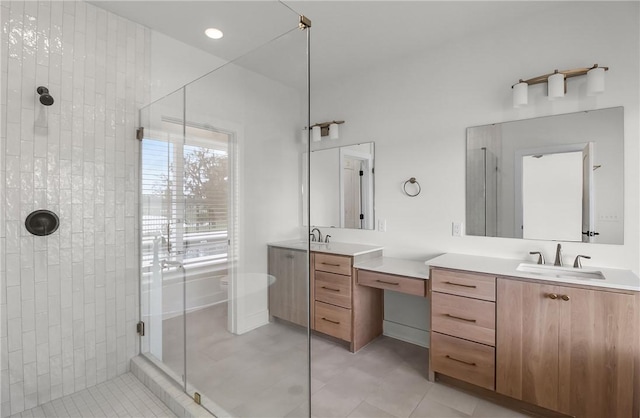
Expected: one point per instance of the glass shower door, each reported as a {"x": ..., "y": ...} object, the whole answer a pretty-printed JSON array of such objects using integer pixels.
[
  {"x": 162, "y": 274},
  {"x": 221, "y": 179},
  {"x": 243, "y": 124}
]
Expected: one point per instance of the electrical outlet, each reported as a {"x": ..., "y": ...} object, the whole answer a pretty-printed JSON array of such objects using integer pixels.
[
  {"x": 382, "y": 225},
  {"x": 456, "y": 229}
]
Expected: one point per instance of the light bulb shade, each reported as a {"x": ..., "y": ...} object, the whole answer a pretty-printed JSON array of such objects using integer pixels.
[
  {"x": 555, "y": 85},
  {"x": 520, "y": 94},
  {"x": 316, "y": 134},
  {"x": 334, "y": 132},
  {"x": 595, "y": 81}
]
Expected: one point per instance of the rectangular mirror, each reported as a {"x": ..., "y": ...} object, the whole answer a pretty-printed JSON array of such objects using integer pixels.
[
  {"x": 554, "y": 178},
  {"x": 342, "y": 187}
]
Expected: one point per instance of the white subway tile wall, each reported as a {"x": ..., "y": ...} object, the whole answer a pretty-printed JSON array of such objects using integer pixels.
[{"x": 69, "y": 300}]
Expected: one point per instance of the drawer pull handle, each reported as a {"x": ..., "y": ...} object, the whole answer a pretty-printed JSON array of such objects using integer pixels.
[
  {"x": 331, "y": 288},
  {"x": 472, "y": 286},
  {"x": 460, "y": 318},
  {"x": 565, "y": 297},
  {"x": 552, "y": 296},
  {"x": 330, "y": 264},
  {"x": 460, "y": 361},
  {"x": 333, "y": 322},
  {"x": 391, "y": 283}
]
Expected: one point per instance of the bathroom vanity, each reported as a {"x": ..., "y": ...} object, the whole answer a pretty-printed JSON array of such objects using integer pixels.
[
  {"x": 347, "y": 284},
  {"x": 565, "y": 344},
  {"x": 549, "y": 339}
]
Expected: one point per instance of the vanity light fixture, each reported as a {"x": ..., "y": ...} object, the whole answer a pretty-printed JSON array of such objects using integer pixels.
[
  {"x": 326, "y": 128},
  {"x": 214, "y": 33},
  {"x": 557, "y": 83}
]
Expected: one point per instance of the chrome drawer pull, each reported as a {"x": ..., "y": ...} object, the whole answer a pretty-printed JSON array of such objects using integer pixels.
[
  {"x": 330, "y": 264},
  {"x": 391, "y": 283},
  {"x": 330, "y": 288},
  {"x": 333, "y": 322},
  {"x": 462, "y": 285},
  {"x": 460, "y": 361},
  {"x": 460, "y": 318}
]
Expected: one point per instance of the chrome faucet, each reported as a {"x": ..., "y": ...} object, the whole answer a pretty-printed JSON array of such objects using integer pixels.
[
  {"x": 558, "y": 261},
  {"x": 578, "y": 264},
  {"x": 314, "y": 235}
]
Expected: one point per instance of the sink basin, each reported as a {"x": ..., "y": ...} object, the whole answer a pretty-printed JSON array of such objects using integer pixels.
[{"x": 561, "y": 272}]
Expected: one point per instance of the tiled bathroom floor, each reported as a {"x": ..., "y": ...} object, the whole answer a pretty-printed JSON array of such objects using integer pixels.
[
  {"x": 123, "y": 396},
  {"x": 263, "y": 374}
]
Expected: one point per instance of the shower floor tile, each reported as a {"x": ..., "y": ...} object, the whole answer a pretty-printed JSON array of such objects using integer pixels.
[{"x": 123, "y": 396}]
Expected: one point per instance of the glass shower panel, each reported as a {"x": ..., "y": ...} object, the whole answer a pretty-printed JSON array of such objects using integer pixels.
[
  {"x": 242, "y": 178},
  {"x": 161, "y": 213}
]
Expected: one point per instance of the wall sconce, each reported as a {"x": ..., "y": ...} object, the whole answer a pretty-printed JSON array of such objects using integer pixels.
[
  {"x": 557, "y": 83},
  {"x": 326, "y": 128}
]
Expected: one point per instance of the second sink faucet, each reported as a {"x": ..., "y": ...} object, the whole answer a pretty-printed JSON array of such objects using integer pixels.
[
  {"x": 313, "y": 234},
  {"x": 558, "y": 261}
]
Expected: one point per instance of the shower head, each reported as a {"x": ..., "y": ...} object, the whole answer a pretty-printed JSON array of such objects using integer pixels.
[{"x": 45, "y": 97}]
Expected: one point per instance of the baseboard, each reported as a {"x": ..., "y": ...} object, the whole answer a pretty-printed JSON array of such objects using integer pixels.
[{"x": 405, "y": 333}]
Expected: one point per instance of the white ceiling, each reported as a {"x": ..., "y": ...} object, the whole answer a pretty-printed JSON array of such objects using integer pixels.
[{"x": 347, "y": 37}]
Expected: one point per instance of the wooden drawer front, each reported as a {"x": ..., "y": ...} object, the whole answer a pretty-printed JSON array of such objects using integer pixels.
[
  {"x": 333, "y": 263},
  {"x": 463, "y": 360},
  {"x": 333, "y": 320},
  {"x": 463, "y": 284},
  {"x": 333, "y": 288},
  {"x": 471, "y": 319},
  {"x": 391, "y": 282}
]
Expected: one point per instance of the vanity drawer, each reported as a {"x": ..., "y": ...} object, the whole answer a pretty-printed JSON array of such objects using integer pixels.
[
  {"x": 333, "y": 288},
  {"x": 460, "y": 283},
  {"x": 333, "y": 263},
  {"x": 471, "y": 319},
  {"x": 463, "y": 360},
  {"x": 391, "y": 282},
  {"x": 333, "y": 320}
]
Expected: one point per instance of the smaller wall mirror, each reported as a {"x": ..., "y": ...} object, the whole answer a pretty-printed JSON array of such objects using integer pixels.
[
  {"x": 341, "y": 187},
  {"x": 551, "y": 178}
]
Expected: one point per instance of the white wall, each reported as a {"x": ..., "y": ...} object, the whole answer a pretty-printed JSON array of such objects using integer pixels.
[
  {"x": 417, "y": 112},
  {"x": 69, "y": 300}
]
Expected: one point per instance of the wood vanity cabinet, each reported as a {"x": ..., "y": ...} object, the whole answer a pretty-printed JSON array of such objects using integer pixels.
[
  {"x": 463, "y": 326},
  {"x": 288, "y": 292},
  {"x": 339, "y": 307},
  {"x": 568, "y": 349}
]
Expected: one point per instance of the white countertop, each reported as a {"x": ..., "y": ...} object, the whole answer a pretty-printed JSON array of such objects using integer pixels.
[
  {"x": 340, "y": 248},
  {"x": 397, "y": 266},
  {"x": 614, "y": 278}
]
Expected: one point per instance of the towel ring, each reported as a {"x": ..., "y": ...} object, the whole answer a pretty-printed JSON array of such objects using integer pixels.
[{"x": 412, "y": 180}]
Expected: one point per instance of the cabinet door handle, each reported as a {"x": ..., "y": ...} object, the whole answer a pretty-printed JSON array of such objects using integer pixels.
[
  {"x": 551, "y": 296},
  {"x": 330, "y": 264},
  {"x": 333, "y": 322},
  {"x": 289, "y": 256},
  {"x": 391, "y": 283},
  {"x": 460, "y": 361},
  {"x": 460, "y": 318},
  {"x": 331, "y": 288},
  {"x": 462, "y": 285},
  {"x": 565, "y": 297}
]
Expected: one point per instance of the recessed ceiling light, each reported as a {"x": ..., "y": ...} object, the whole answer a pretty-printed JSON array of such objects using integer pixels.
[{"x": 214, "y": 33}]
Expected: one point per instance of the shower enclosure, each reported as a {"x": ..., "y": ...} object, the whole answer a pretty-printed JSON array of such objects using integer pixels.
[{"x": 220, "y": 179}]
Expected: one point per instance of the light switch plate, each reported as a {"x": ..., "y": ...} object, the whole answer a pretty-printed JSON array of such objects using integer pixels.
[
  {"x": 382, "y": 225},
  {"x": 456, "y": 229}
]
